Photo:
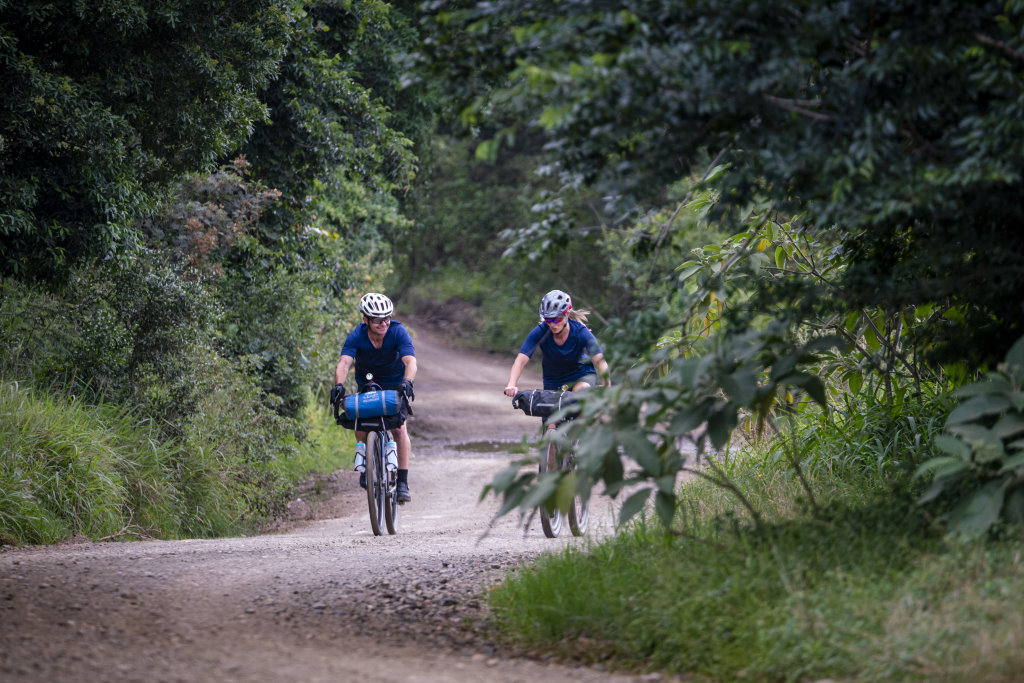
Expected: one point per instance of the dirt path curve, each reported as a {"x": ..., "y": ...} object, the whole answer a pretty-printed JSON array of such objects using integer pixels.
[{"x": 325, "y": 601}]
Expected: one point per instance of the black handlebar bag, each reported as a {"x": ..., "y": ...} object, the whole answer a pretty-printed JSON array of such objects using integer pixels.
[{"x": 546, "y": 402}]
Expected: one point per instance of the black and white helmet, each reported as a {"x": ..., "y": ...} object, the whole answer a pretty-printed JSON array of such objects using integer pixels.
[
  {"x": 555, "y": 303},
  {"x": 376, "y": 305}
]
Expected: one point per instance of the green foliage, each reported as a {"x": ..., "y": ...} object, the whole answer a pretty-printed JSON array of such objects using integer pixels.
[
  {"x": 982, "y": 466},
  {"x": 327, "y": 119},
  {"x": 69, "y": 468},
  {"x": 103, "y": 104},
  {"x": 894, "y": 128},
  {"x": 863, "y": 594}
]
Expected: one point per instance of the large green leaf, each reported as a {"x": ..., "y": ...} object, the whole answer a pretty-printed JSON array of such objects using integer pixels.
[
  {"x": 976, "y": 514},
  {"x": 634, "y": 504},
  {"x": 637, "y": 446},
  {"x": 665, "y": 506},
  {"x": 941, "y": 466},
  {"x": 952, "y": 445},
  {"x": 1015, "y": 361},
  {"x": 978, "y": 406},
  {"x": 720, "y": 425},
  {"x": 992, "y": 384},
  {"x": 1009, "y": 425}
]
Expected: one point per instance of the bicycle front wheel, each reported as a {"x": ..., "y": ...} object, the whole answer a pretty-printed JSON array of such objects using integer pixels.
[
  {"x": 376, "y": 488},
  {"x": 390, "y": 499},
  {"x": 550, "y": 516}
]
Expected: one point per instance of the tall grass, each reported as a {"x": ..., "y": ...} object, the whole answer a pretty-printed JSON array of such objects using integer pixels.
[
  {"x": 863, "y": 586},
  {"x": 68, "y": 468}
]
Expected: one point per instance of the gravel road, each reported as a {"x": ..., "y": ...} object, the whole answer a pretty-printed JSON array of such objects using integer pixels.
[{"x": 322, "y": 598}]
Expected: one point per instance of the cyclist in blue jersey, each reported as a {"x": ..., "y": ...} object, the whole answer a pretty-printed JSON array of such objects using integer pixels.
[
  {"x": 572, "y": 356},
  {"x": 383, "y": 347}
]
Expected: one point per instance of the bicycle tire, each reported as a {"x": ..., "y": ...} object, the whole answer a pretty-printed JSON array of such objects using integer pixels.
[
  {"x": 579, "y": 510},
  {"x": 390, "y": 496},
  {"x": 550, "y": 516},
  {"x": 375, "y": 488}
]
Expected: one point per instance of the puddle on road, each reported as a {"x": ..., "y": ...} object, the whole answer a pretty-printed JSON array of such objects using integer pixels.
[{"x": 492, "y": 447}]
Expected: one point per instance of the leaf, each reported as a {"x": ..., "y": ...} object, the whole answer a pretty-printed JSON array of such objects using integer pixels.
[
  {"x": 976, "y": 514},
  {"x": 686, "y": 273},
  {"x": 688, "y": 419},
  {"x": 1009, "y": 425},
  {"x": 1015, "y": 360},
  {"x": 1012, "y": 463},
  {"x": 953, "y": 446},
  {"x": 634, "y": 504},
  {"x": 665, "y": 506},
  {"x": 851, "y": 321},
  {"x": 985, "y": 445},
  {"x": 780, "y": 257},
  {"x": 978, "y": 406},
  {"x": 740, "y": 386},
  {"x": 947, "y": 464},
  {"x": 855, "y": 380},
  {"x": 720, "y": 425},
  {"x": 565, "y": 492},
  {"x": 1015, "y": 506},
  {"x": 816, "y": 390},
  {"x": 641, "y": 450},
  {"x": 993, "y": 384},
  {"x": 871, "y": 340}
]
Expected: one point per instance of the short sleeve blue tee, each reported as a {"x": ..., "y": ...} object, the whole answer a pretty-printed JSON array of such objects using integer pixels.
[
  {"x": 567, "y": 363},
  {"x": 386, "y": 362}
]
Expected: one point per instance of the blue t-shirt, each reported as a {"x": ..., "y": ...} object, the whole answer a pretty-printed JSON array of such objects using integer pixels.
[
  {"x": 567, "y": 363},
  {"x": 386, "y": 362}
]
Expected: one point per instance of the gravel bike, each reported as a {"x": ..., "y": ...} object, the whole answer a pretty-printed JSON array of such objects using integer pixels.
[
  {"x": 381, "y": 480},
  {"x": 544, "y": 403}
]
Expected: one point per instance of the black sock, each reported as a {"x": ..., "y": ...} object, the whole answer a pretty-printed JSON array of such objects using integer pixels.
[{"x": 403, "y": 476}]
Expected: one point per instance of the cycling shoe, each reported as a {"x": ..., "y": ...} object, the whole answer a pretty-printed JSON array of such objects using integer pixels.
[
  {"x": 403, "y": 492},
  {"x": 362, "y": 479}
]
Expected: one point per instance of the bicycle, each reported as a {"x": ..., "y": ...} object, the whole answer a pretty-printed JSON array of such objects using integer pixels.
[
  {"x": 544, "y": 403},
  {"x": 381, "y": 481}
]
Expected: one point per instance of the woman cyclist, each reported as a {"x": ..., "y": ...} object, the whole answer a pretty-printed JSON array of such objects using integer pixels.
[
  {"x": 571, "y": 354},
  {"x": 383, "y": 347}
]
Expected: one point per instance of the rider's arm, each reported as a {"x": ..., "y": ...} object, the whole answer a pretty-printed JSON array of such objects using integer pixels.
[
  {"x": 410, "y": 367},
  {"x": 601, "y": 365},
  {"x": 517, "y": 369},
  {"x": 342, "y": 368}
]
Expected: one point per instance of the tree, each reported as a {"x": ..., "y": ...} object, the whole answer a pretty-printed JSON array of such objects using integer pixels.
[
  {"x": 102, "y": 104},
  {"x": 896, "y": 126}
]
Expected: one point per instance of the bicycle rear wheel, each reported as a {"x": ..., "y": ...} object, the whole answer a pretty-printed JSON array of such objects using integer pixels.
[
  {"x": 376, "y": 488},
  {"x": 550, "y": 516},
  {"x": 390, "y": 497}
]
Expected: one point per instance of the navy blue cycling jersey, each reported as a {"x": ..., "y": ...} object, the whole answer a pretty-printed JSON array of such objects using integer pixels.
[
  {"x": 386, "y": 362},
  {"x": 565, "y": 363}
]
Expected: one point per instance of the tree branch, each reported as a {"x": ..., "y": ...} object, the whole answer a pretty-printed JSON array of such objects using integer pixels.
[
  {"x": 799, "y": 107},
  {"x": 1005, "y": 48}
]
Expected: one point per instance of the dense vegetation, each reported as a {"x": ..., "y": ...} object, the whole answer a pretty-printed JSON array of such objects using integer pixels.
[{"x": 796, "y": 224}]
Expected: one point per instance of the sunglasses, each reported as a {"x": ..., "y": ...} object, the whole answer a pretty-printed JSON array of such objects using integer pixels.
[
  {"x": 378, "y": 321},
  {"x": 554, "y": 320}
]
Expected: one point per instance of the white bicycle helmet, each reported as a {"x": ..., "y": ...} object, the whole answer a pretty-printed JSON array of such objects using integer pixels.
[
  {"x": 555, "y": 303},
  {"x": 376, "y": 305}
]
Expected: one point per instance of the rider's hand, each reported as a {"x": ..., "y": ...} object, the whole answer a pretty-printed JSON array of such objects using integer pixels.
[
  {"x": 337, "y": 393},
  {"x": 511, "y": 390},
  {"x": 407, "y": 390}
]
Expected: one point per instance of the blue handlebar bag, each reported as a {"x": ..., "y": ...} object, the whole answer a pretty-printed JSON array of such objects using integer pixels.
[{"x": 372, "y": 404}]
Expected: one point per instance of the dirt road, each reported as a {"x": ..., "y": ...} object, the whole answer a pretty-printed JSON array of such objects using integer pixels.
[{"x": 323, "y": 601}]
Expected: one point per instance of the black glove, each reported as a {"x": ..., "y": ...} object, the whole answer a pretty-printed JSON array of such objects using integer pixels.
[
  {"x": 407, "y": 390},
  {"x": 337, "y": 394}
]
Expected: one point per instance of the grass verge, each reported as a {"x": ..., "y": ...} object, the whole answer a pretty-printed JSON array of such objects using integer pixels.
[
  {"x": 864, "y": 589},
  {"x": 68, "y": 468}
]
